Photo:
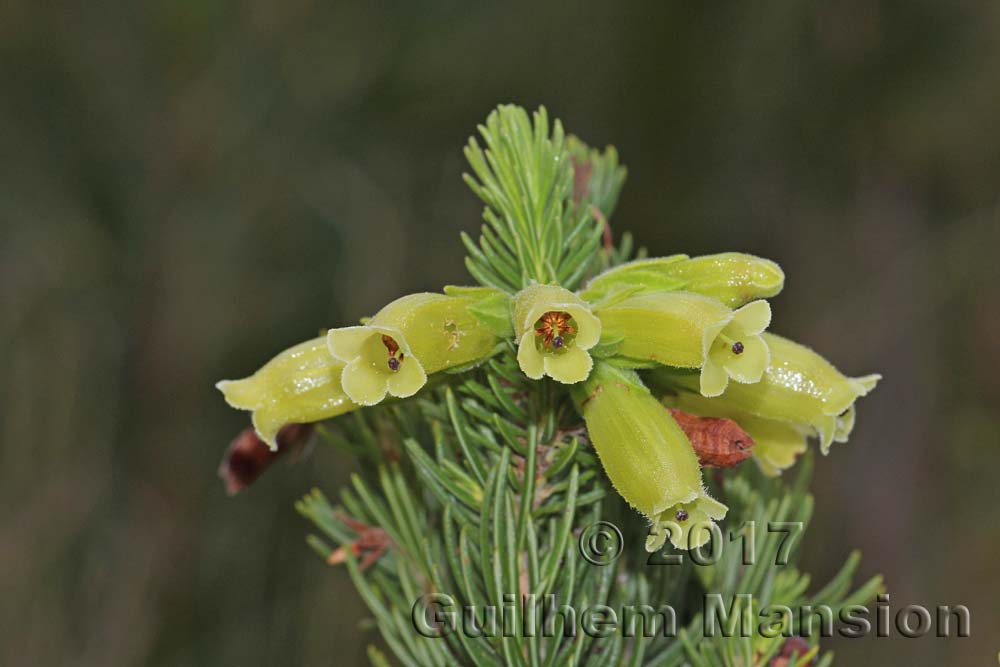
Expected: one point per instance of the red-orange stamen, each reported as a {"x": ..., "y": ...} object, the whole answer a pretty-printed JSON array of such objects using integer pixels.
[{"x": 554, "y": 325}]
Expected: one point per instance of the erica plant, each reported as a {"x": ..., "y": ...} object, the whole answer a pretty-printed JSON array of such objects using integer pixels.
[{"x": 578, "y": 386}]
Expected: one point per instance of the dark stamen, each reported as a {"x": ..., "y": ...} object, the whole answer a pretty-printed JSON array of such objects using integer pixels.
[
  {"x": 557, "y": 342},
  {"x": 393, "y": 364},
  {"x": 390, "y": 344},
  {"x": 682, "y": 515},
  {"x": 737, "y": 347}
]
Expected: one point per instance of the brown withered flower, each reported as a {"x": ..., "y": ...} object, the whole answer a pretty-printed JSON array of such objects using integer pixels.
[
  {"x": 718, "y": 442},
  {"x": 248, "y": 456}
]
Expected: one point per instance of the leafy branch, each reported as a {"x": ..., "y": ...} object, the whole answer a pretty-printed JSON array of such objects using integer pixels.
[{"x": 536, "y": 230}]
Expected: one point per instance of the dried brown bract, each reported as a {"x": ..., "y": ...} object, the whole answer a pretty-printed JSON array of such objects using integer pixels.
[
  {"x": 248, "y": 456},
  {"x": 372, "y": 542},
  {"x": 719, "y": 442},
  {"x": 793, "y": 645}
]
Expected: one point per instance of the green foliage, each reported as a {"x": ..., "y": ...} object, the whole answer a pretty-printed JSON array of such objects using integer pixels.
[
  {"x": 535, "y": 228},
  {"x": 450, "y": 490}
]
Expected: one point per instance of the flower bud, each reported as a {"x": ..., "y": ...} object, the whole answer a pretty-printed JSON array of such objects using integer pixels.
[
  {"x": 554, "y": 329},
  {"x": 300, "y": 385},
  {"x": 799, "y": 387},
  {"x": 414, "y": 335},
  {"x": 646, "y": 455},
  {"x": 734, "y": 278},
  {"x": 689, "y": 330}
]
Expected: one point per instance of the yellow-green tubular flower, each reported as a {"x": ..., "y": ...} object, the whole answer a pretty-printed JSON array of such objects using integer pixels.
[
  {"x": 733, "y": 278},
  {"x": 412, "y": 336},
  {"x": 647, "y": 456},
  {"x": 799, "y": 387},
  {"x": 689, "y": 330},
  {"x": 554, "y": 329},
  {"x": 776, "y": 444},
  {"x": 300, "y": 385}
]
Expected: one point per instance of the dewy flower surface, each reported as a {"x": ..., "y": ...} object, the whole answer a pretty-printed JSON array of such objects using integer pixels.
[
  {"x": 688, "y": 330},
  {"x": 555, "y": 328},
  {"x": 409, "y": 338},
  {"x": 300, "y": 385},
  {"x": 646, "y": 455},
  {"x": 734, "y": 278},
  {"x": 799, "y": 387}
]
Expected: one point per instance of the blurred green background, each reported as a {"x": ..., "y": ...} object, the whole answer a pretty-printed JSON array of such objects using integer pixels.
[{"x": 188, "y": 187}]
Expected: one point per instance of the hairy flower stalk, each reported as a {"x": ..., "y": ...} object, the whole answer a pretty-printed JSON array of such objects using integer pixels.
[{"x": 486, "y": 488}]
